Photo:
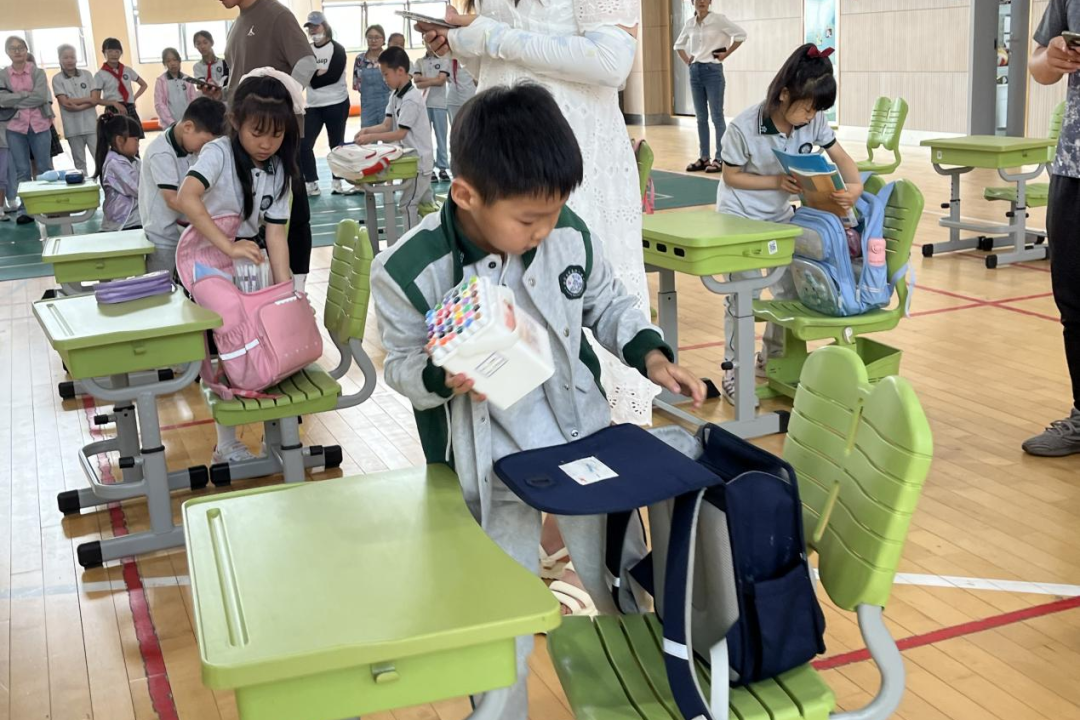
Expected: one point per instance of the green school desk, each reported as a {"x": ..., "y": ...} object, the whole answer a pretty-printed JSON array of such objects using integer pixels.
[
  {"x": 59, "y": 204},
  {"x": 81, "y": 259},
  {"x": 705, "y": 243},
  {"x": 116, "y": 342},
  {"x": 955, "y": 157},
  {"x": 385, "y": 184},
  {"x": 352, "y": 596}
]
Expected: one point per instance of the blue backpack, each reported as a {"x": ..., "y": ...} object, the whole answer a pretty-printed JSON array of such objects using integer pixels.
[{"x": 826, "y": 278}]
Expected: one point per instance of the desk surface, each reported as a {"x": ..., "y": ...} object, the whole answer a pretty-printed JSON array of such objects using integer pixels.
[
  {"x": 295, "y": 579},
  {"x": 74, "y": 323},
  {"x": 38, "y": 188},
  {"x": 989, "y": 143},
  {"x": 75, "y": 248},
  {"x": 708, "y": 228}
]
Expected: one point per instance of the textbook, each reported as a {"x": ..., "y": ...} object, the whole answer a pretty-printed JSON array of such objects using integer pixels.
[{"x": 817, "y": 180}]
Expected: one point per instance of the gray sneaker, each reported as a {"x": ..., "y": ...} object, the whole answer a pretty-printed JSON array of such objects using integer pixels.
[{"x": 1060, "y": 439}]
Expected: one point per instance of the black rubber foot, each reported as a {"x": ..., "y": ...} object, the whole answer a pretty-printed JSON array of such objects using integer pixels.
[
  {"x": 90, "y": 554},
  {"x": 332, "y": 456},
  {"x": 785, "y": 417},
  {"x": 68, "y": 502},
  {"x": 991, "y": 262},
  {"x": 199, "y": 476},
  {"x": 928, "y": 251},
  {"x": 50, "y": 294},
  {"x": 220, "y": 475},
  {"x": 1039, "y": 240},
  {"x": 126, "y": 463},
  {"x": 102, "y": 420},
  {"x": 165, "y": 375},
  {"x": 985, "y": 244},
  {"x": 66, "y": 390},
  {"x": 315, "y": 450},
  {"x": 711, "y": 391}
]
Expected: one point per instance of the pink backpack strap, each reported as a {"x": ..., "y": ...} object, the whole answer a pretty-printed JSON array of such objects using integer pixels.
[
  {"x": 648, "y": 203},
  {"x": 213, "y": 378}
]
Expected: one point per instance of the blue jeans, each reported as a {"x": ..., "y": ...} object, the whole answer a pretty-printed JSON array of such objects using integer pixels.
[
  {"x": 707, "y": 88},
  {"x": 21, "y": 146},
  {"x": 440, "y": 124}
]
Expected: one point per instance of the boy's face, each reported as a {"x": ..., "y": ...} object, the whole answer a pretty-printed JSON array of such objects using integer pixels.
[
  {"x": 191, "y": 138},
  {"x": 395, "y": 77},
  {"x": 510, "y": 225},
  {"x": 397, "y": 40},
  {"x": 68, "y": 60},
  {"x": 113, "y": 55}
]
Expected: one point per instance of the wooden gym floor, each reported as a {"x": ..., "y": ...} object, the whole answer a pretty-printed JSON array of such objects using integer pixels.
[{"x": 989, "y": 599}]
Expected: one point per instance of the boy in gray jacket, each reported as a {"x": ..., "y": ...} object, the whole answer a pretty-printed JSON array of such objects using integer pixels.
[{"x": 515, "y": 163}]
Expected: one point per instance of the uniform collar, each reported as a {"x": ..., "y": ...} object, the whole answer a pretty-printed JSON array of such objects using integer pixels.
[
  {"x": 466, "y": 252},
  {"x": 404, "y": 89},
  {"x": 170, "y": 137},
  {"x": 766, "y": 126}
]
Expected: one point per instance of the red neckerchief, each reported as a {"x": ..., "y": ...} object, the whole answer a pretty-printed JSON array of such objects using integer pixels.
[
  {"x": 118, "y": 73},
  {"x": 209, "y": 69},
  {"x": 453, "y": 69}
]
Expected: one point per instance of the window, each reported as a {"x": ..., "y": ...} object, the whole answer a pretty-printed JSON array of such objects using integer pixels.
[
  {"x": 351, "y": 20},
  {"x": 153, "y": 39},
  {"x": 43, "y": 44}
]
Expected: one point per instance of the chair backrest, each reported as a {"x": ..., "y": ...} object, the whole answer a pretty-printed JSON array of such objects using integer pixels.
[
  {"x": 901, "y": 221},
  {"x": 886, "y": 124},
  {"x": 861, "y": 453},
  {"x": 345, "y": 314},
  {"x": 1055, "y": 121}
]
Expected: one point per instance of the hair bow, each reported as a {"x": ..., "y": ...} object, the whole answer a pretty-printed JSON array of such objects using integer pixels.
[
  {"x": 296, "y": 90},
  {"x": 813, "y": 52}
]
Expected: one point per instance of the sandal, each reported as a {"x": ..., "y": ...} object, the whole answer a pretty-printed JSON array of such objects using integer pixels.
[
  {"x": 577, "y": 600},
  {"x": 714, "y": 167},
  {"x": 553, "y": 566},
  {"x": 697, "y": 165}
]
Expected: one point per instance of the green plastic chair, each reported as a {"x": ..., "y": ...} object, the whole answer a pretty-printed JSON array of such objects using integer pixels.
[
  {"x": 861, "y": 452},
  {"x": 802, "y": 325},
  {"x": 313, "y": 389},
  {"x": 886, "y": 123},
  {"x": 1035, "y": 194}
]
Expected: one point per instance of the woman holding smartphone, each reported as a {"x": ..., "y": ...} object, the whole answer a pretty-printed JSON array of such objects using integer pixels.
[{"x": 706, "y": 40}]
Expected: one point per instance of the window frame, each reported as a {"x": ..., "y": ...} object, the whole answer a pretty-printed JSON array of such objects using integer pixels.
[{"x": 329, "y": 7}]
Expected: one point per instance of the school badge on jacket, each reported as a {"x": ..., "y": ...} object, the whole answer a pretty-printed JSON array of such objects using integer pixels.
[{"x": 572, "y": 282}]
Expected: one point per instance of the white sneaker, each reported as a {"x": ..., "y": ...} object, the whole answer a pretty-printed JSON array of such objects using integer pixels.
[
  {"x": 727, "y": 388},
  {"x": 336, "y": 188},
  {"x": 313, "y": 189},
  {"x": 234, "y": 452},
  {"x": 759, "y": 365}
]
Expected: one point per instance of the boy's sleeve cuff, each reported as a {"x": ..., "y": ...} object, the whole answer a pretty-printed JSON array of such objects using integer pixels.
[
  {"x": 434, "y": 378},
  {"x": 643, "y": 343}
]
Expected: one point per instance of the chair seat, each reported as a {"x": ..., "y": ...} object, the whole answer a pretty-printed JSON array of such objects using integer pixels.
[
  {"x": 1035, "y": 194},
  {"x": 307, "y": 392},
  {"x": 612, "y": 668},
  {"x": 880, "y": 168},
  {"x": 806, "y": 324}
]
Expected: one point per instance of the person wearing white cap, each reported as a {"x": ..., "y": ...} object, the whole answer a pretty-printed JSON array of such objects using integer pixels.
[{"x": 327, "y": 100}]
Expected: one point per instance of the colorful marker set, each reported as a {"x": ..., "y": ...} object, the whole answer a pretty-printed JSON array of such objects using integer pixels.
[{"x": 479, "y": 331}]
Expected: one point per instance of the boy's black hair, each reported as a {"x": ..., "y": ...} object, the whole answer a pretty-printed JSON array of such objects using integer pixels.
[
  {"x": 203, "y": 33},
  {"x": 266, "y": 102},
  {"x": 112, "y": 44},
  {"x": 111, "y": 128},
  {"x": 805, "y": 77},
  {"x": 395, "y": 58},
  {"x": 207, "y": 115},
  {"x": 514, "y": 142}
]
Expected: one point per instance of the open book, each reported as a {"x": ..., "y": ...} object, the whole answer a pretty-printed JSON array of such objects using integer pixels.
[{"x": 817, "y": 180}]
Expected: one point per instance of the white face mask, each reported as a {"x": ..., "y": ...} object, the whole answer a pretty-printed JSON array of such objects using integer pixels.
[{"x": 318, "y": 38}]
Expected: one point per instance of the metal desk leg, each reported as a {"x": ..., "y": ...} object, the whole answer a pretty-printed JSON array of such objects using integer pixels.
[
  {"x": 953, "y": 221},
  {"x": 390, "y": 215},
  {"x": 70, "y": 389},
  {"x": 1018, "y": 224},
  {"x": 371, "y": 219},
  {"x": 155, "y": 485},
  {"x": 66, "y": 223}
]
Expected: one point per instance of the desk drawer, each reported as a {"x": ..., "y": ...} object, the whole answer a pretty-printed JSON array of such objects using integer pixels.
[
  {"x": 354, "y": 691},
  {"x": 955, "y": 157},
  {"x": 74, "y": 200},
  {"x": 106, "y": 268},
  {"x": 718, "y": 260},
  {"x": 135, "y": 355}
]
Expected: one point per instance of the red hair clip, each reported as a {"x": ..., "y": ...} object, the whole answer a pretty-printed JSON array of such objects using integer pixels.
[{"x": 813, "y": 52}]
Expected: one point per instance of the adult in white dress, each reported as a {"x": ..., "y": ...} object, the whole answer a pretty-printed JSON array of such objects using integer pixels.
[{"x": 582, "y": 51}]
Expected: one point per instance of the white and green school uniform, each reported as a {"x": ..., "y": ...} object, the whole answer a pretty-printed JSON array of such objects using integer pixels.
[
  {"x": 217, "y": 72},
  {"x": 216, "y": 170},
  {"x": 748, "y": 144},
  {"x": 80, "y": 126},
  {"x": 407, "y": 112},
  {"x": 165, "y": 164},
  {"x": 567, "y": 285}
]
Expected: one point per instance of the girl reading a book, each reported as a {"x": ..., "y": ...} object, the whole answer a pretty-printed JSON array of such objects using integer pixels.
[{"x": 790, "y": 122}]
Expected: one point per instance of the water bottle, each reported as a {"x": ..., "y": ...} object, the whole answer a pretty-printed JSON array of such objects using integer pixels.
[{"x": 51, "y": 176}]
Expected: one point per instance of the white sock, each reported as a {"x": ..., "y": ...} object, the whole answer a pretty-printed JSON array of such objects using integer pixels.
[
  {"x": 225, "y": 435},
  {"x": 299, "y": 281}
]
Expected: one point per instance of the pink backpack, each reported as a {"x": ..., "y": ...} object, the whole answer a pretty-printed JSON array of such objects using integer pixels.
[{"x": 266, "y": 336}]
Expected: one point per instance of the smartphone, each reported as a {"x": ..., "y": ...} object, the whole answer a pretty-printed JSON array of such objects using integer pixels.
[
  {"x": 417, "y": 17},
  {"x": 719, "y": 50},
  {"x": 1072, "y": 39},
  {"x": 199, "y": 82}
]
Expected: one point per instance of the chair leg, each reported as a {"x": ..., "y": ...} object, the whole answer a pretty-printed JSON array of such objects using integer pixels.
[
  {"x": 291, "y": 450},
  {"x": 783, "y": 372}
]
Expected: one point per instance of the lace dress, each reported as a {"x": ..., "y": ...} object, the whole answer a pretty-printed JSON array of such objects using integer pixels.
[{"x": 608, "y": 200}]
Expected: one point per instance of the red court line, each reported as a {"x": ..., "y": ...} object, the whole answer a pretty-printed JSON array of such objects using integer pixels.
[
  {"x": 189, "y": 423},
  {"x": 938, "y": 311},
  {"x": 955, "y": 631},
  {"x": 157, "y": 676}
]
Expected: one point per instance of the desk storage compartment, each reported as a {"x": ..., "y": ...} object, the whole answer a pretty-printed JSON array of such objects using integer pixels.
[{"x": 43, "y": 198}]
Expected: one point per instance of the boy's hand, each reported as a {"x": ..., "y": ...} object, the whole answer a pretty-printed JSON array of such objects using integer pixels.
[
  {"x": 1062, "y": 58},
  {"x": 671, "y": 377},
  {"x": 787, "y": 184},
  {"x": 360, "y": 136},
  {"x": 460, "y": 384},
  {"x": 246, "y": 250},
  {"x": 844, "y": 198}
]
